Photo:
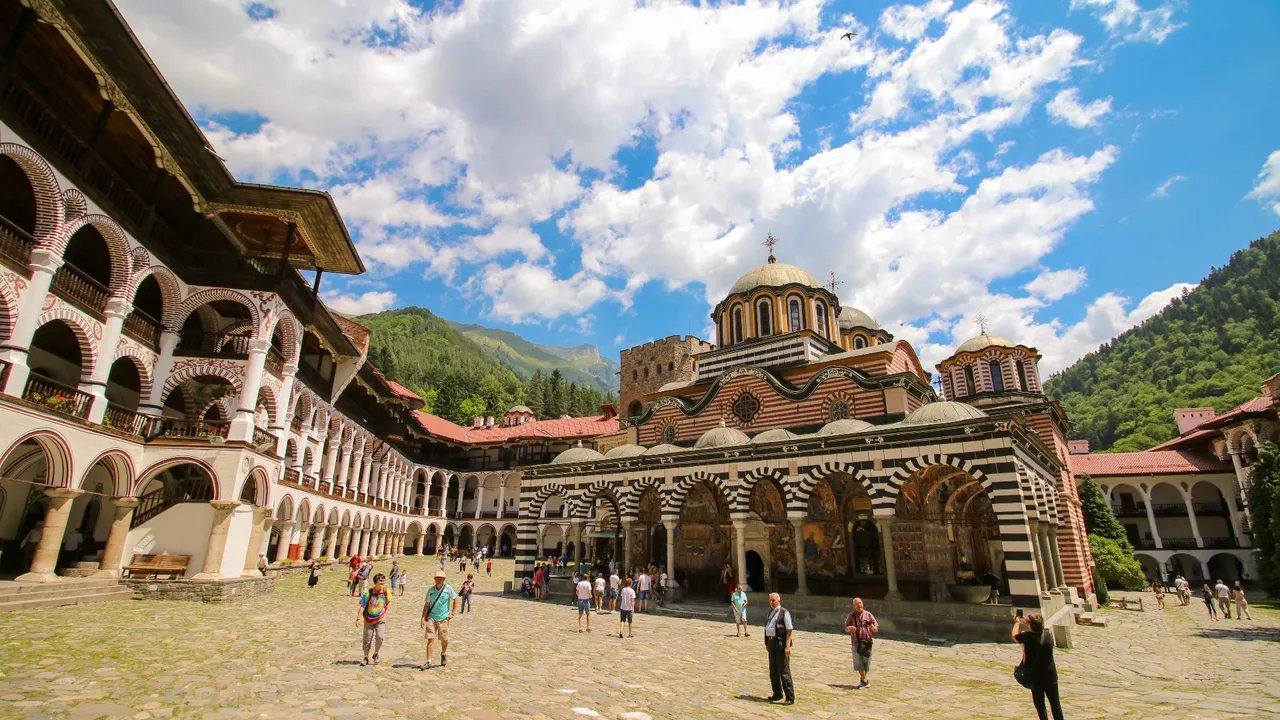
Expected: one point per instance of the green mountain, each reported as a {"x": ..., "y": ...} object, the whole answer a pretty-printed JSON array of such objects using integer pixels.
[
  {"x": 459, "y": 378},
  {"x": 1212, "y": 347},
  {"x": 581, "y": 364}
]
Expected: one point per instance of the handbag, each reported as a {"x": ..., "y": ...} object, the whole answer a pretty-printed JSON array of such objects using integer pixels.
[
  {"x": 864, "y": 646},
  {"x": 1021, "y": 672}
]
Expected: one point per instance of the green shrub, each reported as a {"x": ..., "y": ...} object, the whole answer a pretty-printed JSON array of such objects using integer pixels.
[
  {"x": 285, "y": 562},
  {"x": 322, "y": 559},
  {"x": 1099, "y": 587},
  {"x": 1115, "y": 564}
]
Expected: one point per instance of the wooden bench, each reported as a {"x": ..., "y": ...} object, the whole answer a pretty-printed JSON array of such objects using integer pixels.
[
  {"x": 152, "y": 566},
  {"x": 1124, "y": 603}
]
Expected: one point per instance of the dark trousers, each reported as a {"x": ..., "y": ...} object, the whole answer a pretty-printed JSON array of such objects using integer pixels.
[
  {"x": 1038, "y": 694},
  {"x": 780, "y": 668}
]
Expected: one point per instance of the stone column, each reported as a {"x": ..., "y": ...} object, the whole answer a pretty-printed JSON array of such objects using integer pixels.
[
  {"x": 1050, "y": 573},
  {"x": 336, "y": 538},
  {"x": 212, "y": 568},
  {"x": 576, "y": 531},
  {"x": 670, "y": 523},
  {"x": 353, "y": 542},
  {"x": 153, "y": 404},
  {"x": 1037, "y": 552},
  {"x": 502, "y": 498},
  {"x": 626, "y": 547},
  {"x": 479, "y": 499},
  {"x": 43, "y": 264},
  {"x": 802, "y": 584},
  {"x": 462, "y": 488},
  {"x": 45, "y": 562},
  {"x": 331, "y": 462},
  {"x": 1151, "y": 518},
  {"x": 96, "y": 386},
  {"x": 113, "y": 553},
  {"x": 365, "y": 471},
  {"x": 1057, "y": 558},
  {"x": 317, "y": 543},
  {"x": 422, "y": 541},
  {"x": 366, "y": 537},
  {"x": 242, "y": 425},
  {"x": 885, "y": 524},
  {"x": 298, "y": 549},
  {"x": 261, "y": 529},
  {"x": 1191, "y": 516},
  {"x": 286, "y": 539},
  {"x": 740, "y": 549},
  {"x": 283, "y": 414}
]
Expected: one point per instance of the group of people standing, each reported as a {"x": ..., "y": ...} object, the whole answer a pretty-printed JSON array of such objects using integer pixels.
[{"x": 440, "y": 605}]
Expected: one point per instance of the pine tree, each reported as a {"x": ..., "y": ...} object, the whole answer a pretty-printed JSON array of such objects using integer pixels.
[
  {"x": 1098, "y": 517},
  {"x": 1264, "y": 516},
  {"x": 556, "y": 394},
  {"x": 535, "y": 391}
]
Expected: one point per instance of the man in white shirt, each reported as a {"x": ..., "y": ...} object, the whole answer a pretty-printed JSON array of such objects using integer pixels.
[
  {"x": 614, "y": 582},
  {"x": 626, "y": 607},
  {"x": 1224, "y": 599},
  {"x": 644, "y": 582},
  {"x": 582, "y": 592},
  {"x": 599, "y": 593}
]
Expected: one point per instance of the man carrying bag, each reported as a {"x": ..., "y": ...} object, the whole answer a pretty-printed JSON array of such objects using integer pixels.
[{"x": 777, "y": 642}]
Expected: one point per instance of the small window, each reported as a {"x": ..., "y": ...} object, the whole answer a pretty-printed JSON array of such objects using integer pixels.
[
  {"x": 764, "y": 318},
  {"x": 646, "y": 372},
  {"x": 659, "y": 370},
  {"x": 997, "y": 377},
  {"x": 970, "y": 386},
  {"x": 736, "y": 322},
  {"x": 821, "y": 311},
  {"x": 671, "y": 367},
  {"x": 795, "y": 315},
  {"x": 859, "y": 342},
  {"x": 635, "y": 374},
  {"x": 1022, "y": 375}
]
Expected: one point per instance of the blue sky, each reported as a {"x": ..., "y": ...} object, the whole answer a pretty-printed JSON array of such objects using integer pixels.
[{"x": 601, "y": 172}]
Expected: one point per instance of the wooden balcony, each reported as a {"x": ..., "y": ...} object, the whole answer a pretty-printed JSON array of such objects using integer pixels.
[
  {"x": 15, "y": 246},
  {"x": 143, "y": 328},
  {"x": 75, "y": 286},
  {"x": 57, "y": 397},
  {"x": 213, "y": 344}
]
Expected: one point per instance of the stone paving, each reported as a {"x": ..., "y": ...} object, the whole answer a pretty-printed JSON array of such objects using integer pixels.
[{"x": 295, "y": 654}]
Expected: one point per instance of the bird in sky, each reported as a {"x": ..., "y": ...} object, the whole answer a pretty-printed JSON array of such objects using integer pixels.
[{"x": 849, "y": 36}]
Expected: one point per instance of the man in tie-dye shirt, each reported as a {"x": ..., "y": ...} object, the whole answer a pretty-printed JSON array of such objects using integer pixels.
[{"x": 375, "y": 605}]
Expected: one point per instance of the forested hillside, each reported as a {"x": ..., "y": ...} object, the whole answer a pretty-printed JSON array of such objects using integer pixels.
[
  {"x": 457, "y": 378},
  {"x": 581, "y": 364},
  {"x": 1212, "y": 347}
]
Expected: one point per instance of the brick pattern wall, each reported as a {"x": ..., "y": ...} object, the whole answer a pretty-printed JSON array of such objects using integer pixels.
[
  {"x": 1073, "y": 541},
  {"x": 646, "y": 368}
]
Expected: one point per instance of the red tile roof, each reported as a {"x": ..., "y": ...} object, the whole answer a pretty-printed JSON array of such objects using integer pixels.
[
  {"x": 1260, "y": 404},
  {"x": 559, "y": 429},
  {"x": 401, "y": 390},
  {"x": 1151, "y": 462},
  {"x": 1191, "y": 438}
]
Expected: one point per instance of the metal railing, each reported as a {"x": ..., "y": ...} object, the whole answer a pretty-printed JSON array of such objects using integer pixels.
[
  {"x": 217, "y": 344},
  {"x": 1137, "y": 510},
  {"x": 143, "y": 328},
  {"x": 181, "y": 428},
  {"x": 1218, "y": 543},
  {"x": 1209, "y": 508},
  {"x": 15, "y": 243},
  {"x": 118, "y": 418},
  {"x": 1179, "y": 543},
  {"x": 1169, "y": 509},
  {"x": 57, "y": 397},
  {"x": 75, "y": 285}
]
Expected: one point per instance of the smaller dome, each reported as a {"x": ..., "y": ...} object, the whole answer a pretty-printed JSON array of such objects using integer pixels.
[
  {"x": 520, "y": 409},
  {"x": 941, "y": 412},
  {"x": 773, "y": 274},
  {"x": 576, "y": 454},
  {"x": 774, "y": 435},
  {"x": 663, "y": 449},
  {"x": 982, "y": 342},
  {"x": 847, "y": 426},
  {"x": 624, "y": 451},
  {"x": 722, "y": 436},
  {"x": 852, "y": 317}
]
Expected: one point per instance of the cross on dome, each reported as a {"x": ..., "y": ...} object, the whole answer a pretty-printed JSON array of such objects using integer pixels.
[
  {"x": 981, "y": 321},
  {"x": 769, "y": 242},
  {"x": 834, "y": 283}
]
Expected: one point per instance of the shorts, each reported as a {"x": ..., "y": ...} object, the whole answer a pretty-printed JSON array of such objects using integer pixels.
[
  {"x": 611, "y": 594},
  {"x": 438, "y": 629},
  {"x": 624, "y": 616},
  {"x": 740, "y": 616},
  {"x": 378, "y": 630},
  {"x": 861, "y": 663},
  {"x": 597, "y": 595},
  {"x": 584, "y": 607},
  {"x": 644, "y": 595}
]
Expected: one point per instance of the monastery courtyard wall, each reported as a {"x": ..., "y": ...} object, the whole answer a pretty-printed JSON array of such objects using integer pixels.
[{"x": 296, "y": 653}]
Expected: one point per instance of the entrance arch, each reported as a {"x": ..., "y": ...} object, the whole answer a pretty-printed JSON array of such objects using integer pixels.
[{"x": 703, "y": 544}]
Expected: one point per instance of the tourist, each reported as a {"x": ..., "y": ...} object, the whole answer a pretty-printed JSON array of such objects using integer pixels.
[
  {"x": 626, "y": 608},
  {"x": 1241, "y": 603},
  {"x": 738, "y": 605},
  {"x": 30, "y": 542},
  {"x": 1159, "y": 595},
  {"x": 861, "y": 624},
  {"x": 353, "y": 581},
  {"x": 315, "y": 574},
  {"x": 615, "y": 584},
  {"x": 663, "y": 588},
  {"x": 464, "y": 604},
  {"x": 1224, "y": 599},
  {"x": 582, "y": 592},
  {"x": 365, "y": 571},
  {"x": 488, "y": 568},
  {"x": 436, "y": 611},
  {"x": 262, "y": 563},
  {"x": 442, "y": 559},
  {"x": 777, "y": 643},
  {"x": 1207, "y": 595},
  {"x": 599, "y": 593},
  {"x": 726, "y": 579},
  {"x": 395, "y": 575},
  {"x": 1180, "y": 585},
  {"x": 643, "y": 583},
  {"x": 526, "y": 587},
  {"x": 375, "y": 605},
  {"x": 355, "y": 562},
  {"x": 404, "y": 581},
  {"x": 475, "y": 562},
  {"x": 537, "y": 582},
  {"x": 1037, "y": 657},
  {"x": 462, "y": 563}
]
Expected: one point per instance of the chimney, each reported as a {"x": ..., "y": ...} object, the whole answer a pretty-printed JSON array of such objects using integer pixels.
[
  {"x": 1189, "y": 419},
  {"x": 609, "y": 411},
  {"x": 477, "y": 421},
  {"x": 488, "y": 421},
  {"x": 1271, "y": 386},
  {"x": 1078, "y": 447}
]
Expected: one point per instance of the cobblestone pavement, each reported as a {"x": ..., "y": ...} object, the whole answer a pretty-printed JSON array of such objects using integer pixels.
[{"x": 295, "y": 654}]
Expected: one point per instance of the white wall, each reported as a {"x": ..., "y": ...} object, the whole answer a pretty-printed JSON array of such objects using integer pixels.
[
  {"x": 237, "y": 541},
  {"x": 181, "y": 530}
]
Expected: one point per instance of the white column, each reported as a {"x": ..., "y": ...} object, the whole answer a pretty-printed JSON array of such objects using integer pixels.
[
  {"x": 96, "y": 385},
  {"x": 462, "y": 487},
  {"x": 479, "y": 498},
  {"x": 44, "y": 263},
  {"x": 331, "y": 460},
  {"x": 1191, "y": 516},
  {"x": 217, "y": 547},
  {"x": 740, "y": 550},
  {"x": 802, "y": 583},
  {"x": 153, "y": 404},
  {"x": 502, "y": 497},
  {"x": 885, "y": 524},
  {"x": 283, "y": 416},
  {"x": 242, "y": 425},
  {"x": 344, "y": 467},
  {"x": 357, "y": 469},
  {"x": 1151, "y": 518},
  {"x": 286, "y": 539}
]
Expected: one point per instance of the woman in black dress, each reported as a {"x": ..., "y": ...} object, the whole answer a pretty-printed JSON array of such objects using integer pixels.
[{"x": 1037, "y": 648}]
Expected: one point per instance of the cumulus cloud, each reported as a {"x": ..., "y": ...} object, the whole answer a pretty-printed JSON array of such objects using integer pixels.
[
  {"x": 1126, "y": 20},
  {"x": 1162, "y": 190},
  {"x": 1056, "y": 284},
  {"x": 1266, "y": 188},
  {"x": 362, "y": 304},
  {"x": 1066, "y": 107}
]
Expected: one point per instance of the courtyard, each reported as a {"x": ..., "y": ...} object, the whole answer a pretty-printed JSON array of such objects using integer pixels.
[{"x": 296, "y": 653}]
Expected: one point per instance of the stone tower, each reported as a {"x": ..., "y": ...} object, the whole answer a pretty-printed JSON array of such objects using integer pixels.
[{"x": 646, "y": 368}]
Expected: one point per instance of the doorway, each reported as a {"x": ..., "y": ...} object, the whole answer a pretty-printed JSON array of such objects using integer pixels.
[{"x": 755, "y": 571}]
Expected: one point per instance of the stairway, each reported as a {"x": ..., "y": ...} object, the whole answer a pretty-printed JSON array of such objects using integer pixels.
[{"x": 69, "y": 591}]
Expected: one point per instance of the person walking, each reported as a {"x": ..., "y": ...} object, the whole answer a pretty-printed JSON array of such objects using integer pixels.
[
  {"x": 1241, "y": 603},
  {"x": 437, "y": 608},
  {"x": 353, "y": 581},
  {"x": 599, "y": 593},
  {"x": 861, "y": 624},
  {"x": 404, "y": 581},
  {"x": 315, "y": 574},
  {"x": 1159, "y": 596},
  {"x": 488, "y": 567},
  {"x": 615, "y": 584},
  {"x": 1037, "y": 657},
  {"x": 375, "y": 606},
  {"x": 738, "y": 605},
  {"x": 1207, "y": 595},
  {"x": 1224, "y": 599},
  {"x": 462, "y": 562},
  {"x": 464, "y": 598},
  {"x": 537, "y": 582},
  {"x": 644, "y": 584},
  {"x": 394, "y": 575},
  {"x": 365, "y": 571},
  {"x": 582, "y": 592},
  {"x": 626, "y": 607},
  {"x": 262, "y": 563},
  {"x": 778, "y": 631}
]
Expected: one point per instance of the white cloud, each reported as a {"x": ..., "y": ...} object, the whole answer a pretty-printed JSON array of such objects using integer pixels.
[
  {"x": 1163, "y": 189},
  {"x": 363, "y": 304},
  {"x": 1126, "y": 20},
  {"x": 1266, "y": 189},
  {"x": 525, "y": 292},
  {"x": 1066, "y": 106},
  {"x": 1056, "y": 284}
]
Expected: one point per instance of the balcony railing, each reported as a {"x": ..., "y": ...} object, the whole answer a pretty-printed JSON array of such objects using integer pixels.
[
  {"x": 15, "y": 244},
  {"x": 56, "y": 396},
  {"x": 1136, "y": 510},
  {"x": 275, "y": 362},
  {"x": 1148, "y": 544},
  {"x": 213, "y": 344},
  {"x": 292, "y": 475},
  {"x": 1179, "y": 543},
  {"x": 181, "y": 428},
  {"x": 143, "y": 328},
  {"x": 1224, "y": 542},
  {"x": 75, "y": 285},
  {"x": 264, "y": 441},
  {"x": 1209, "y": 508},
  {"x": 124, "y": 420}
]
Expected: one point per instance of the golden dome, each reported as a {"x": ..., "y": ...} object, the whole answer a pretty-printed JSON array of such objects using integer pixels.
[
  {"x": 773, "y": 274},
  {"x": 982, "y": 342},
  {"x": 852, "y": 317}
]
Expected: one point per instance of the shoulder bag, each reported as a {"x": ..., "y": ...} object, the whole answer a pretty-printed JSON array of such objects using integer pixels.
[
  {"x": 1021, "y": 672},
  {"x": 864, "y": 646}
]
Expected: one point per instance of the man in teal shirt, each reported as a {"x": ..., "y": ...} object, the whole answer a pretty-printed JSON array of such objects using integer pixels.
[
  {"x": 436, "y": 611},
  {"x": 739, "y": 602}
]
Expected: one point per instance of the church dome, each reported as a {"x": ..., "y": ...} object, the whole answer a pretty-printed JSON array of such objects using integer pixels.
[
  {"x": 774, "y": 435},
  {"x": 773, "y": 274},
  {"x": 520, "y": 409},
  {"x": 721, "y": 437},
  {"x": 624, "y": 451},
  {"x": 847, "y": 426},
  {"x": 982, "y": 342},
  {"x": 852, "y": 317},
  {"x": 663, "y": 449},
  {"x": 942, "y": 411},
  {"x": 576, "y": 454}
]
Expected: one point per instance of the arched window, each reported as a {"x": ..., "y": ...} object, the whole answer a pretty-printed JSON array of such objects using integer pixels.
[
  {"x": 659, "y": 369},
  {"x": 671, "y": 366},
  {"x": 635, "y": 374},
  {"x": 997, "y": 377},
  {"x": 1022, "y": 375},
  {"x": 735, "y": 320},
  {"x": 646, "y": 372},
  {"x": 764, "y": 317},
  {"x": 821, "y": 310},
  {"x": 859, "y": 342},
  {"x": 795, "y": 314},
  {"x": 970, "y": 386}
]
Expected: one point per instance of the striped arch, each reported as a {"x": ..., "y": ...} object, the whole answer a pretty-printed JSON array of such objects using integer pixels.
[
  {"x": 74, "y": 205},
  {"x": 87, "y": 333},
  {"x": 303, "y": 407},
  {"x": 630, "y": 495},
  {"x": 117, "y": 246},
  {"x": 319, "y": 515},
  {"x": 8, "y": 307},
  {"x": 119, "y": 466},
  {"x": 304, "y": 511},
  {"x": 677, "y": 494},
  {"x": 197, "y": 369},
  {"x": 290, "y": 333},
  {"x": 57, "y": 454},
  {"x": 789, "y": 494},
  {"x": 202, "y": 297},
  {"x": 825, "y": 471},
  {"x": 50, "y": 209},
  {"x": 886, "y": 501},
  {"x": 145, "y": 476},
  {"x": 333, "y": 516},
  {"x": 261, "y": 486},
  {"x": 545, "y": 493},
  {"x": 581, "y": 505},
  {"x": 142, "y": 361}
]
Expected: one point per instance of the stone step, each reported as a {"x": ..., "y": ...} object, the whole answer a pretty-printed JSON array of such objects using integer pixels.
[
  {"x": 1085, "y": 618},
  {"x": 79, "y": 598},
  {"x": 1099, "y": 621},
  {"x": 12, "y": 591},
  {"x": 60, "y": 590}
]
